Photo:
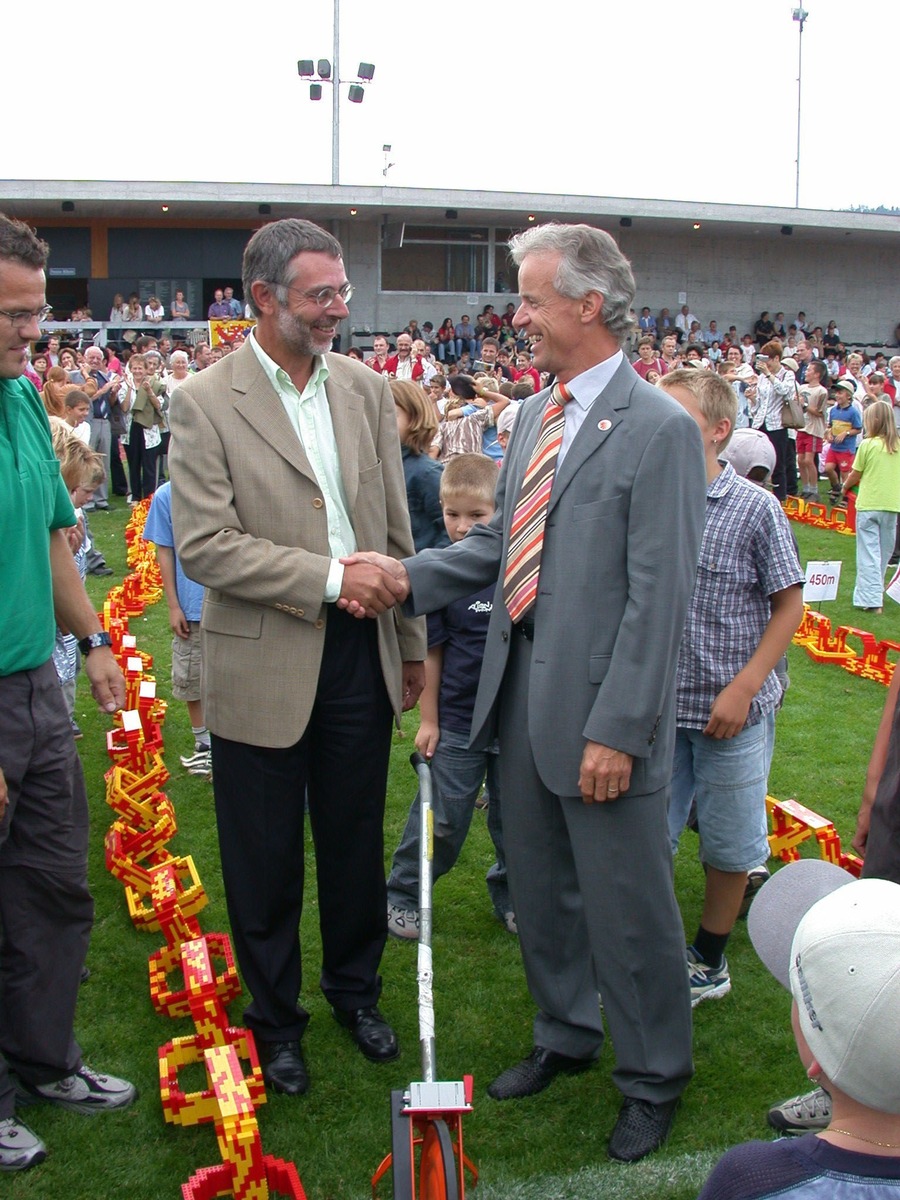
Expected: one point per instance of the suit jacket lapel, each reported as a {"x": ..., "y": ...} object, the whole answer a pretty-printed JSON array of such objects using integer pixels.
[
  {"x": 259, "y": 404},
  {"x": 346, "y": 407},
  {"x": 601, "y": 420}
]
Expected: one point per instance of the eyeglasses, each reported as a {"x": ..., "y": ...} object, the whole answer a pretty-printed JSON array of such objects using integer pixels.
[
  {"x": 326, "y": 296},
  {"x": 19, "y": 319}
]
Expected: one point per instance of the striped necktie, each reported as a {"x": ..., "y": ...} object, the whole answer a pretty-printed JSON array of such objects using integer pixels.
[{"x": 523, "y": 560}]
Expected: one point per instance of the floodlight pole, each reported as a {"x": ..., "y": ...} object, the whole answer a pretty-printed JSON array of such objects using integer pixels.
[
  {"x": 799, "y": 14},
  {"x": 336, "y": 101}
]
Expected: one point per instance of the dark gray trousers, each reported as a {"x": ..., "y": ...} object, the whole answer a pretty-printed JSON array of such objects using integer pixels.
[
  {"x": 593, "y": 895},
  {"x": 46, "y": 910}
]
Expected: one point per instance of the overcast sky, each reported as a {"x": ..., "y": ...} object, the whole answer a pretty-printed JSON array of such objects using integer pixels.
[{"x": 660, "y": 99}]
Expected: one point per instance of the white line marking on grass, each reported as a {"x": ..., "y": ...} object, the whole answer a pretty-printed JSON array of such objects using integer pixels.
[{"x": 654, "y": 1177}]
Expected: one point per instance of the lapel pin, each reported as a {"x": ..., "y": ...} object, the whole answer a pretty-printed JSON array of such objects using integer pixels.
[{"x": 604, "y": 425}]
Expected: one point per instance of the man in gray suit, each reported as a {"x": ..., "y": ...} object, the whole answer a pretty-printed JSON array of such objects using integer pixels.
[{"x": 581, "y": 688}]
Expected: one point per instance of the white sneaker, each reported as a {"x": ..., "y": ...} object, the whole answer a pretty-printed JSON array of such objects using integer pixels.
[
  {"x": 403, "y": 922},
  {"x": 86, "y": 1091},
  {"x": 20, "y": 1148},
  {"x": 198, "y": 763},
  {"x": 806, "y": 1113}
]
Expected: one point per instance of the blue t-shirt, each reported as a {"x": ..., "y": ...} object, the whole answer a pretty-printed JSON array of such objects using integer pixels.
[
  {"x": 158, "y": 529},
  {"x": 461, "y": 628}
]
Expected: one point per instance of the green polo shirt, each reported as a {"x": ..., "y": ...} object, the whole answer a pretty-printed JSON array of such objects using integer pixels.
[{"x": 33, "y": 500}]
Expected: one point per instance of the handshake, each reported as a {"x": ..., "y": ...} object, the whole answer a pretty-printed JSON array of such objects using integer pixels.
[{"x": 372, "y": 584}]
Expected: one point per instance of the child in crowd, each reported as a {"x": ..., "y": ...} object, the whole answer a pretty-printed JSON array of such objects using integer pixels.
[
  {"x": 417, "y": 424},
  {"x": 505, "y": 423},
  {"x": 844, "y": 426},
  {"x": 745, "y": 608},
  {"x": 810, "y": 439},
  {"x": 876, "y": 469},
  {"x": 82, "y": 472},
  {"x": 185, "y": 600},
  {"x": 831, "y": 941},
  {"x": 77, "y": 412},
  {"x": 466, "y": 417},
  {"x": 456, "y": 636}
]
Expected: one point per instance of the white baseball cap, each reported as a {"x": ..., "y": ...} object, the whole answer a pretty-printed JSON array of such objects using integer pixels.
[{"x": 835, "y": 943}]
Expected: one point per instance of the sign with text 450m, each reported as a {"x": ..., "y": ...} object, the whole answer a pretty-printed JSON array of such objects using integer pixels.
[{"x": 822, "y": 579}]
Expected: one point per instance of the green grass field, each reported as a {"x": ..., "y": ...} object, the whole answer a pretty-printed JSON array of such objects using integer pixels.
[{"x": 550, "y": 1146}]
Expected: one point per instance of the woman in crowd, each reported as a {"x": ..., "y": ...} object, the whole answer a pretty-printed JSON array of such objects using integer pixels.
[
  {"x": 154, "y": 311},
  {"x": 775, "y": 384},
  {"x": 134, "y": 314},
  {"x": 445, "y": 340},
  {"x": 40, "y": 364},
  {"x": 118, "y": 310},
  {"x": 180, "y": 310},
  {"x": 876, "y": 469},
  {"x": 55, "y": 390}
]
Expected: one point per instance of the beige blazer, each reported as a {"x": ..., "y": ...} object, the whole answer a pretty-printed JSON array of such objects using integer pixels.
[{"x": 250, "y": 525}]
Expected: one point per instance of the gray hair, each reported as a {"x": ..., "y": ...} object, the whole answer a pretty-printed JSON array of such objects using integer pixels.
[
  {"x": 271, "y": 248},
  {"x": 181, "y": 355},
  {"x": 590, "y": 262},
  {"x": 894, "y": 359}
]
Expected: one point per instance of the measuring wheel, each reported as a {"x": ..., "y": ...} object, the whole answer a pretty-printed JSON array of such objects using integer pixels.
[{"x": 437, "y": 1166}]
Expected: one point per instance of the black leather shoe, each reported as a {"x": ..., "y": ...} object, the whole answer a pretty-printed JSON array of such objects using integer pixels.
[
  {"x": 642, "y": 1127},
  {"x": 370, "y": 1031},
  {"x": 534, "y": 1073},
  {"x": 283, "y": 1067},
  {"x": 104, "y": 570}
]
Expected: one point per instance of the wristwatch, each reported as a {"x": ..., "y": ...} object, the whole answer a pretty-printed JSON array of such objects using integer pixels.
[{"x": 93, "y": 640}]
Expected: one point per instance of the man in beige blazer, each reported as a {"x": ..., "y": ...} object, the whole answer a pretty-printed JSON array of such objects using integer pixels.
[{"x": 285, "y": 458}]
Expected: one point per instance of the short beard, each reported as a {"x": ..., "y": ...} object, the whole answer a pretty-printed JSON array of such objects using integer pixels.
[{"x": 299, "y": 336}]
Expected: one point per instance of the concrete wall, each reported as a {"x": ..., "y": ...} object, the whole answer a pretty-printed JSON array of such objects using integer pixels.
[{"x": 732, "y": 280}]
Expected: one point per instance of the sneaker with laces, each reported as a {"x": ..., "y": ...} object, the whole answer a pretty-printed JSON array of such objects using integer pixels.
[
  {"x": 707, "y": 983},
  {"x": 402, "y": 922},
  {"x": 806, "y": 1113},
  {"x": 85, "y": 1091},
  {"x": 20, "y": 1147},
  {"x": 198, "y": 763}
]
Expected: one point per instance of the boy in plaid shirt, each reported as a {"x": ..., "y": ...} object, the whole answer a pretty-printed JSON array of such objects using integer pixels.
[{"x": 746, "y": 606}]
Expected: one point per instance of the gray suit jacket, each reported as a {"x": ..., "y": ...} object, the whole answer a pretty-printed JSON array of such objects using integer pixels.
[
  {"x": 617, "y": 570},
  {"x": 251, "y": 526}
]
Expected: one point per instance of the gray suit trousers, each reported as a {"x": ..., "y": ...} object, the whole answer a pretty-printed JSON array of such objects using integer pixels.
[{"x": 593, "y": 895}]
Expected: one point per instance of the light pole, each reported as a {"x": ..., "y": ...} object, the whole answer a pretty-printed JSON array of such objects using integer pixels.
[
  {"x": 799, "y": 15},
  {"x": 322, "y": 72}
]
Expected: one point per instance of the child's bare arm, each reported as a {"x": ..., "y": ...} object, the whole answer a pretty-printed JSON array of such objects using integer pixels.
[
  {"x": 429, "y": 728},
  {"x": 730, "y": 707},
  {"x": 165, "y": 556}
]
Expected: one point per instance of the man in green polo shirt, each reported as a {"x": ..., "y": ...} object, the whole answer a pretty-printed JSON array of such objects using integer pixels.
[{"x": 46, "y": 910}]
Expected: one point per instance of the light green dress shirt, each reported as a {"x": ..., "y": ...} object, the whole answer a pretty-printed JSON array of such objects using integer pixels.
[{"x": 310, "y": 418}]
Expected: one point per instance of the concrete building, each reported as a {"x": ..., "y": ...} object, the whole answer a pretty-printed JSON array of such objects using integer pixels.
[{"x": 433, "y": 254}]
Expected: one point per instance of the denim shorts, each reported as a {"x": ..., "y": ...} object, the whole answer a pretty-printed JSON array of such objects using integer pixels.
[{"x": 727, "y": 777}]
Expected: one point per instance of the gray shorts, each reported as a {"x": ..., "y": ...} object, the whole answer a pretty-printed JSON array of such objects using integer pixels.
[{"x": 186, "y": 664}]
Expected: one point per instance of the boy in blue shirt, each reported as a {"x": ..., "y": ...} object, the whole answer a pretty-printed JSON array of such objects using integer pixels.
[
  {"x": 456, "y": 636},
  {"x": 844, "y": 428},
  {"x": 745, "y": 608},
  {"x": 185, "y": 600}
]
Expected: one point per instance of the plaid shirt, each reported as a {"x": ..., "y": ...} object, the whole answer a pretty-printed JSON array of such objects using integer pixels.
[{"x": 747, "y": 554}]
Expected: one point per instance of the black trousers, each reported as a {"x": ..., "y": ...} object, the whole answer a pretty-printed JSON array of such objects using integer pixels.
[
  {"x": 141, "y": 464},
  {"x": 340, "y": 763},
  {"x": 779, "y": 440}
]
